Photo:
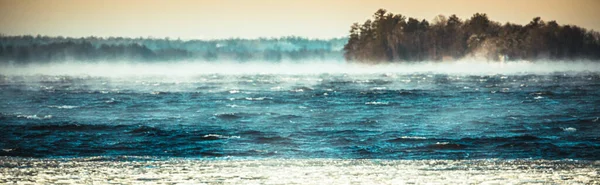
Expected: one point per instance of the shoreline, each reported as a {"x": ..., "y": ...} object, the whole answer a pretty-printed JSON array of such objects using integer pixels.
[{"x": 293, "y": 171}]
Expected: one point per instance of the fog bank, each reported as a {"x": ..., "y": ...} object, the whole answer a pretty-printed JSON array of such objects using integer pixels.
[{"x": 464, "y": 67}]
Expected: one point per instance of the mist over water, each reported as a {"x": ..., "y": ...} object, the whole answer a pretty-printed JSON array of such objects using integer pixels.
[{"x": 183, "y": 69}]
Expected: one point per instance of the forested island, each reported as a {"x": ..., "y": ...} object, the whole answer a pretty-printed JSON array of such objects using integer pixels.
[
  {"x": 43, "y": 49},
  {"x": 396, "y": 38}
]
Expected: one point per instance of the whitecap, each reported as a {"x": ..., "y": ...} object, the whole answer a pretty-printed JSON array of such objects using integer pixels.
[
  {"x": 378, "y": 88},
  {"x": 376, "y": 103},
  {"x": 220, "y": 136},
  {"x": 63, "y": 106},
  {"x": 112, "y": 100},
  {"x": 233, "y": 105},
  {"x": 302, "y": 89},
  {"x": 538, "y": 97},
  {"x": 569, "y": 129},
  {"x": 413, "y": 137},
  {"x": 234, "y": 91},
  {"x": 35, "y": 116},
  {"x": 256, "y": 99}
]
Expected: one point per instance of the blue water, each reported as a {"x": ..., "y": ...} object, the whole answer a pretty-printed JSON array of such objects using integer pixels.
[{"x": 349, "y": 116}]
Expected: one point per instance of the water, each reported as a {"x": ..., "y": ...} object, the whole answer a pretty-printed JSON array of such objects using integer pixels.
[
  {"x": 363, "y": 113},
  {"x": 300, "y": 123},
  {"x": 296, "y": 171}
]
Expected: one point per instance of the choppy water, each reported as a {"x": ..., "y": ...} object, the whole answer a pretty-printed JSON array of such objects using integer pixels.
[{"x": 381, "y": 115}]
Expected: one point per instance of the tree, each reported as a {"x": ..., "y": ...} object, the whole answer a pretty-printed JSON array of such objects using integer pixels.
[{"x": 395, "y": 38}]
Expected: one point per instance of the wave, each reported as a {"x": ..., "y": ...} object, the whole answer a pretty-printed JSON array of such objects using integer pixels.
[
  {"x": 407, "y": 138},
  {"x": 233, "y": 115},
  {"x": 257, "y": 98},
  {"x": 445, "y": 146},
  {"x": 179, "y": 69},
  {"x": 148, "y": 131},
  {"x": 377, "y": 103},
  {"x": 569, "y": 129},
  {"x": 67, "y": 126},
  {"x": 217, "y": 137},
  {"x": 273, "y": 140},
  {"x": 63, "y": 106},
  {"x": 35, "y": 116}
]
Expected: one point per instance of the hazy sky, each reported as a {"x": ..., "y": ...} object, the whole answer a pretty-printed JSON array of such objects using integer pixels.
[{"x": 208, "y": 19}]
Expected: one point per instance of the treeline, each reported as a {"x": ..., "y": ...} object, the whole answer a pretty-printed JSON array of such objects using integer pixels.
[
  {"x": 43, "y": 49},
  {"x": 395, "y": 38}
]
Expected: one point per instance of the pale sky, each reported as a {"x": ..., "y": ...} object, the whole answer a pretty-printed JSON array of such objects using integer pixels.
[{"x": 212, "y": 19}]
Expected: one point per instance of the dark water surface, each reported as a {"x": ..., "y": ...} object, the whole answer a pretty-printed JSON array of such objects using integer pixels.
[{"x": 347, "y": 116}]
